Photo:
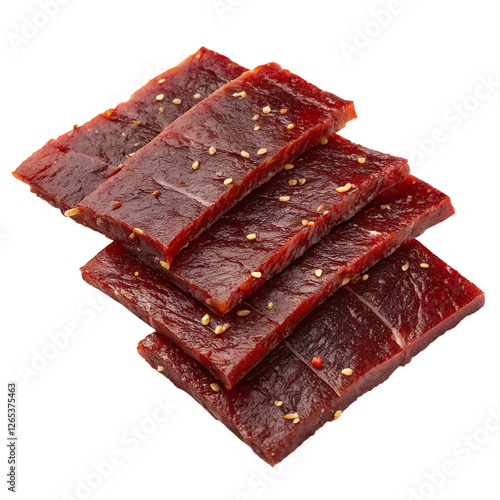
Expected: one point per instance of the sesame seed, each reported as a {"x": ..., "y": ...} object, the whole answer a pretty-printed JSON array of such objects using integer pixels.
[
  {"x": 136, "y": 273},
  {"x": 212, "y": 150},
  {"x": 292, "y": 182},
  {"x": 256, "y": 274},
  {"x": 361, "y": 159},
  {"x": 131, "y": 236},
  {"x": 424, "y": 265},
  {"x": 243, "y": 313},
  {"x": 131, "y": 154},
  {"x": 310, "y": 223},
  {"x": 318, "y": 272},
  {"x": 116, "y": 204},
  {"x": 365, "y": 277},
  {"x": 305, "y": 222},
  {"x": 385, "y": 207},
  {"x": 162, "y": 80},
  {"x": 270, "y": 305},
  {"x": 242, "y": 94},
  {"x": 139, "y": 249},
  {"x": 291, "y": 416},
  {"x": 197, "y": 96},
  {"x": 138, "y": 231},
  {"x": 262, "y": 151},
  {"x": 72, "y": 212},
  {"x": 284, "y": 198},
  {"x": 375, "y": 233},
  {"x": 205, "y": 320},
  {"x": 283, "y": 111},
  {"x": 290, "y": 126},
  {"x": 296, "y": 420},
  {"x": 176, "y": 101},
  {"x": 160, "y": 97},
  {"x": 161, "y": 109},
  {"x": 160, "y": 368},
  {"x": 347, "y": 372},
  {"x": 219, "y": 330},
  {"x": 251, "y": 237},
  {"x": 405, "y": 267},
  {"x": 228, "y": 181},
  {"x": 289, "y": 166},
  {"x": 337, "y": 414},
  {"x": 345, "y": 281},
  {"x": 320, "y": 207},
  {"x": 245, "y": 154},
  {"x": 257, "y": 127},
  {"x": 324, "y": 141},
  {"x": 409, "y": 198},
  {"x": 344, "y": 189},
  {"x": 255, "y": 117},
  {"x": 195, "y": 165},
  {"x": 302, "y": 181},
  {"x": 267, "y": 109},
  {"x": 164, "y": 264},
  {"x": 215, "y": 387},
  {"x": 278, "y": 403}
]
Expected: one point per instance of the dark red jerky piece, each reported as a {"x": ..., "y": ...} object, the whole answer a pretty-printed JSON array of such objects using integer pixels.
[
  {"x": 38, "y": 162},
  {"x": 201, "y": 73},
  {"x": 112, "y": 136},
  {"x": 351, "y": 248},
  {"x": 65, "y": 176},
  {"x": 110, "y": 141},
  {"x": 420, "y": 303},
  {"x": 216, "y": 267},
  {"x": 224, "y": 122},
  {"x": 158, "y": 303},
  {"x": 294, "y": 292},
  {"x": 249, "y": 409},
  {"x": 346, "y": 332}
]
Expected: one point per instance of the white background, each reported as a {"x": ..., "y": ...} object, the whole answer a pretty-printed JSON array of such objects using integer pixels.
[{"x": 419, "y": 69}]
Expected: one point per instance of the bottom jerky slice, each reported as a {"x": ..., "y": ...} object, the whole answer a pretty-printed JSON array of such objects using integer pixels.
[
  {"x": 231, "y": 345},
  {"x": 361, "y": 334}
]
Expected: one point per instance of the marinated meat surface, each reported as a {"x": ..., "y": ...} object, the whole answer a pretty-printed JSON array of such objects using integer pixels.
[
  {"x": 265, "y": 232},
  {"x": 210, "y": 158},
  {"x": 231, "y": 345},
  {"x": 359, "y": 336},
  {"x": 67, "y": 169}
]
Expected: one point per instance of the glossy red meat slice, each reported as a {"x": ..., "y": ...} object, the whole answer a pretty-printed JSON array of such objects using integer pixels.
[
  {"x": 216, "y": 267},
  {"x": 347, "y": 332},
  {"x": 214, "y": 134},
  {"x": 69, "y": 168},
  {"x": 425, "y": 306},
  {"x": 350, "y": 249}
]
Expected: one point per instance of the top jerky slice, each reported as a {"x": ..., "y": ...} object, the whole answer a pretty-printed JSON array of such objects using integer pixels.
[{"x": 210, "y": 158}]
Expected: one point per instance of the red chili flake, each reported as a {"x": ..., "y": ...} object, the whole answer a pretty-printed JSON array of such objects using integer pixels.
[{"x": 317, "y": 362}]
